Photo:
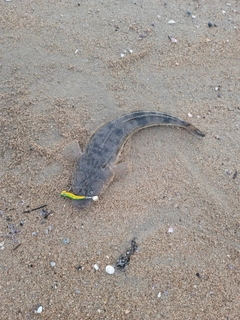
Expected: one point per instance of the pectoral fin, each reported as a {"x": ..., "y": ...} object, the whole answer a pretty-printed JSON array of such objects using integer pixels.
[{"x": 72, "y": 151}]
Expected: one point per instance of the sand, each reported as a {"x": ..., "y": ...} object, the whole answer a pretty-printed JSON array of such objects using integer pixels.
[{"x": 67, "y": 67}]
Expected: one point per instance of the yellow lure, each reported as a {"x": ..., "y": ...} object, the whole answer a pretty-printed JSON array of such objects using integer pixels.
[{"x": 73, "y": 196}]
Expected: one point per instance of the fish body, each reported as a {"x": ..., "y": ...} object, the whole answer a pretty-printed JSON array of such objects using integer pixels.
[{"x": 94, "y": 170}]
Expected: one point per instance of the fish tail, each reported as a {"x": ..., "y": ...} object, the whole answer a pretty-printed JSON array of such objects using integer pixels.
[{"x": 195, "y": 131}]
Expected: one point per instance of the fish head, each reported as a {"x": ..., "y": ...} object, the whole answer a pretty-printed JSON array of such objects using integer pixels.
[{"x": 90, "y": 179}]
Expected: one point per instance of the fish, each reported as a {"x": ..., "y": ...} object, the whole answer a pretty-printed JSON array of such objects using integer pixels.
[{"x": 96, "y": 168}]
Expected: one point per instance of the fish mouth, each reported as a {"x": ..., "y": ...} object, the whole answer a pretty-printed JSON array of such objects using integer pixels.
[{"x": 81, "y": 204}]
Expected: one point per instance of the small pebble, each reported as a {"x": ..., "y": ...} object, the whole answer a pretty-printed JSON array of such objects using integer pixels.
[
  {"x": 39, "y": 309},
  {"x": 170, "y": 230},
  {"x": 235, "y": 174},
  {"x": 66, "y": 241},
  {"x": 110, "y": 269},
  {"x": 52, "y": 264},
  {"x": 96, "y": 267},
  {"x": 171, "y": 22},
  {"x": 190, "y": 115},
  {"x": 159, "y": 295},
  {"x": 173, "y": 40}
]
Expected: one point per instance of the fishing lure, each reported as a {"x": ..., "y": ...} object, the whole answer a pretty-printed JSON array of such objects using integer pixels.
[{"x": 73, "y": 196}]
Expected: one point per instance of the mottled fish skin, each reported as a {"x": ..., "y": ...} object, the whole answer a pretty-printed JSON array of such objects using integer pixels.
[{"x": 94, "y": 170}]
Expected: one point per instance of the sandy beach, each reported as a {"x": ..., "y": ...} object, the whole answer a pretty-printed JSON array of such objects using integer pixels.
[{"x": 68, "y": 67}]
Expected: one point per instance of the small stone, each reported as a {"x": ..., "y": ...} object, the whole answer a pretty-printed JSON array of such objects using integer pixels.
[
  {"x": 39, "y": 309},
  {"x": 235, "y": 174},
  {"x": 171, "y": 22},
  {"x": 96, "y": 267},
  {"x": 110, "y": 269},
  {"x": 159, "y": 295},
  {"x": 21, "y": 223},
  {"x": 170, "y": 230},
  {"x": 173, "y": 40},
  {"x": 190, "y": 115},
  {"x": 66, "y": 241},
  {"x": 52, "y": 264}
]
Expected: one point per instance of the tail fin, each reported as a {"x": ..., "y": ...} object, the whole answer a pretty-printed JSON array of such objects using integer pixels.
[{"x": 195, "y": 131}]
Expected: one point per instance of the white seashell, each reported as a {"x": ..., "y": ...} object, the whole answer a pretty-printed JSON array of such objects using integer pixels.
[{"x": 110, "y": 269}]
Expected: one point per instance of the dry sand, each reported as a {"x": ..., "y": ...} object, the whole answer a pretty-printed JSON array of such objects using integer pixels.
[{"x": 66, "y": 68}]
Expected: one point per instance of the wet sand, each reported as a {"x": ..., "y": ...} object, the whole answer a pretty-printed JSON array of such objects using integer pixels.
[{"x": 67, "y": 68}]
